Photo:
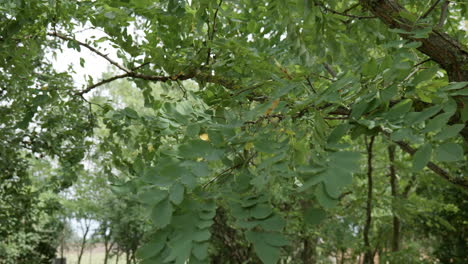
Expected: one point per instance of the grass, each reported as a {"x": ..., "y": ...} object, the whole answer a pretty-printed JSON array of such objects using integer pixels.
[{"x": 91, "y": 256}]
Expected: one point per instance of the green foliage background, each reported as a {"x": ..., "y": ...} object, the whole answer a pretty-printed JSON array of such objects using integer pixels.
[{"x": 238, "y": 131}]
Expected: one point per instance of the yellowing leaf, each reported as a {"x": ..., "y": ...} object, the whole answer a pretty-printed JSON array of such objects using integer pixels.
[
  {"x": 204, "y": 137},
  {"x": 274, "y": 104}
]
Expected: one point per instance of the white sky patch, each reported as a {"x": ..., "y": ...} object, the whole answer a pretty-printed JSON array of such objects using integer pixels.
[{"x": 94, "y": 65}]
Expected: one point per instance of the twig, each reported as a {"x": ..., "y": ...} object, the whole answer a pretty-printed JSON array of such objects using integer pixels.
[
  {"x": 438, "y": 170},
  {"x": 311, "y": 85},
  {"x": 140, "y": 66},
  {"x": 89, "y": 88},
  {"x": 329, "y": 69},
  {"x": 228, "y": 170},
  {"x": 350, "y": 8},
  {"x": 341, "y": 13},
  {"x": 322, "y": 76},
  {"x": 63, "y": 37},
  {"x": 213, "y": 31},
  {"x": 430, "y": 9},
  {"x": 443, "y": 13}
]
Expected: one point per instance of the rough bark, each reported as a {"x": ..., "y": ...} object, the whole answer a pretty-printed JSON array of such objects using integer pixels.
[{"x": 439, "y": 46}]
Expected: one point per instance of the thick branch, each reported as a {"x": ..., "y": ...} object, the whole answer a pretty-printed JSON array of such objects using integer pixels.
[{"x": 440, "y": 47}]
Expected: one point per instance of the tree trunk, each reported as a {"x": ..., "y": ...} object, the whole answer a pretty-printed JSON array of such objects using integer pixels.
[
  {"x": 368, "y": 255},
  {"x": 107, "y": 244},
  {"x": 87, "y": 225},
  {"x": 309, "y": 252},
  {"x": 117, "y": 256},
  {"x": 394, "y": 187}
]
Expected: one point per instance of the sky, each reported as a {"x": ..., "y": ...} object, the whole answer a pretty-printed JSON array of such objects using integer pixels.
[{"x": 94, "y": 65}]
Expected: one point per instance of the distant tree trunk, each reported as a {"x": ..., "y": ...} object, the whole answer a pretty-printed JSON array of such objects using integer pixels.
[
  {"x": 118, "y": 255},
  {"x": 86, "y": 227},
  {"x": 108, "y": 245},
  {"x": 128, "y": 257},
  {"x": 309, "y": 252},
  {"x": 394, "y": 187},
  {"x": 368, "y": 255}
]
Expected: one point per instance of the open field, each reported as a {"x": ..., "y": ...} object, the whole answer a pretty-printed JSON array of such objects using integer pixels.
[{"x": 93, "y": 255}]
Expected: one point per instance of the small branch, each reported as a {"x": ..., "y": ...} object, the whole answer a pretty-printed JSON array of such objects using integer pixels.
[
  {"x": 422, "y": 62},
  {"x": 430, "y": 9},
  {"x": 228, "y": 170},
  {"x": 342, "y": 13},
  {"x": 153, "y": 78},
  {"x": 63, "y": 37},
  {"x": 350, "y": 8},
  {"x": 329, "y": 69},
  {"x": 438, "y": 170},
  {"x": 443, "y": 13},
  {"x": 213, "y": 31},
  {"x": 311, "y": 85},
  {"x": 89, "y": 88},
  {"x": 322, "y": 76},
  {"x": 140, "y": 66}
]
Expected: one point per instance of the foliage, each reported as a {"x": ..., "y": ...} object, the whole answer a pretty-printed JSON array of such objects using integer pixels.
[{"x": 245, "y": 122}]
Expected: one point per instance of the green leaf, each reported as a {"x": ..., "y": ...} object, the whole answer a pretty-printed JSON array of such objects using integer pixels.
[
  {"x": 314, "y": 216},
  {"x": 176, "y": 193},
  {"x": 273, "y": 223},
  {"x": 425, "y": 75},
  {"x": 261, "y": 211},
  {"x": 200, "y": 250},
  {"x": 388, "y": 93},
  {"x": 449, "y": 132},
  {"x": 358, "y": 109},
  {"x": 323, "y": 198},
  {"x": 162, "y": 214},
  {"x": 266, "y": 245},
  {"x": 129, "y": 112},
  {"x": 449, "y": 152},
  {"x": 202, "y": 235},
  {"x": 417, "y": 117},
  {"x": 338, "y": 133},
  {"x": 399, "y": 110},
  {"x": 437, "y": 122},
  {"x": 422, "y": 157},
  {"x": 152, "y": 196},
  {"x": 454, "y": 86},
  {"x": 153, "y": 247}
]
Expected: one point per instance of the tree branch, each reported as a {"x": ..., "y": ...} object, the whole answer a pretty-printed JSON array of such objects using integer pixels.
[
  {"x": 213, "y": 31},
  {"x": 318, "y": 3},
  {"x": 443, "y": 14},
  {"x": 440, "y": 47},
  {"x": 63, "y": 37},
  {"x": 438, "y": 170},
  {"x": 430, "y": 9}
]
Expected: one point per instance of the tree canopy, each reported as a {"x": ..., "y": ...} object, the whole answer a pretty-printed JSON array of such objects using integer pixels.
[{"x": 240, "y": 131}]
